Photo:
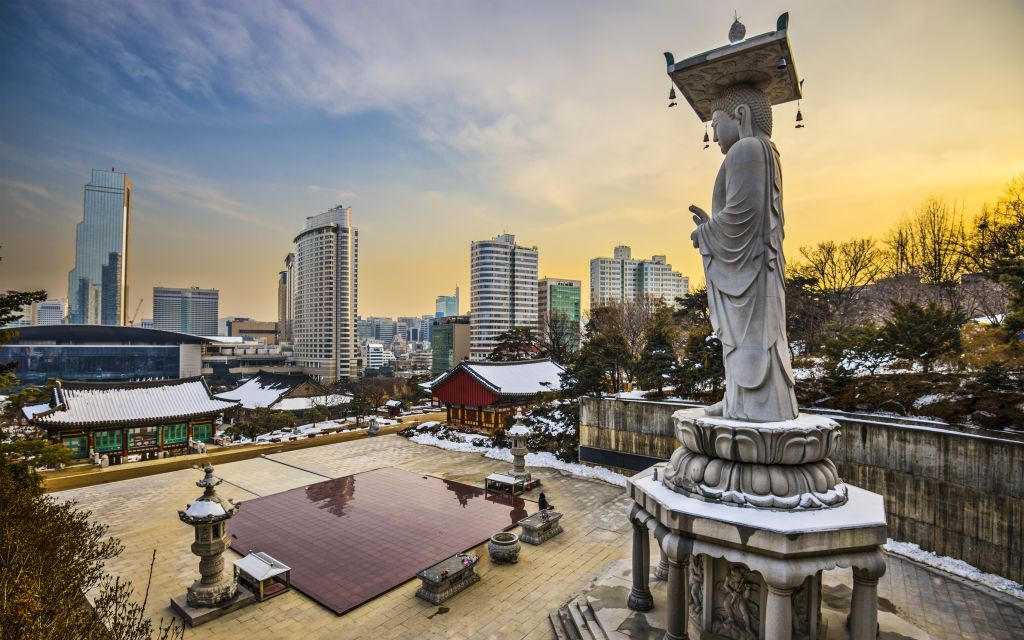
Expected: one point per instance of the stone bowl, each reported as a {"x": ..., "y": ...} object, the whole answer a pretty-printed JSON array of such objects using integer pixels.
[
  {"x": 503, "y": 548},
  {"x": 801, "y": 441}
]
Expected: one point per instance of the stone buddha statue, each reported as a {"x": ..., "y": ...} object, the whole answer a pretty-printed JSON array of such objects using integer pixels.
[{"x": 741, "y": 247}]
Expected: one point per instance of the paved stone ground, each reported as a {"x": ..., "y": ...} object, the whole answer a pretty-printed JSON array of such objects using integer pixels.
[{"x": 509, "y": 602}]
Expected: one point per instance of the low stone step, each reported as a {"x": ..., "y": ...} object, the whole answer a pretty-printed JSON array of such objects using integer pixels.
[
  {"x": 580, "y": 622},
  {"x": 556, "y": 626},
  {"x": 593, "y": 624},
  {"x": 568, "y": 623}
]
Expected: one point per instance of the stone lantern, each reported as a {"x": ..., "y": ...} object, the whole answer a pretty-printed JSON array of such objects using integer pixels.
[
  {"x": 215, "y": 592},
  {"x": 519, "y": 432}
]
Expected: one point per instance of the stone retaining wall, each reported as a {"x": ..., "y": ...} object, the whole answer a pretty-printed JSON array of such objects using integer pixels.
[{"x": 958, "y": 494}]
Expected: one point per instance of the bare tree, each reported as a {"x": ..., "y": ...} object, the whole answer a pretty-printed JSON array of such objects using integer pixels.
[
  {"x": 558, "y": 336},
  {"x": 840, "y": 271},
  {"x": 932, "y": 244}
]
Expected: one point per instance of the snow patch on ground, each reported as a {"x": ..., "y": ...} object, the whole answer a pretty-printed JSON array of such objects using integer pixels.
[
  {"x": 954, "y": 566},
  {"x": 931, "y": 398},
  {"x": 537, "y": 460}
]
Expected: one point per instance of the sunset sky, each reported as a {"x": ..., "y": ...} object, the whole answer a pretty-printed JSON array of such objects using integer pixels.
[{"x": 444, "y": 122}]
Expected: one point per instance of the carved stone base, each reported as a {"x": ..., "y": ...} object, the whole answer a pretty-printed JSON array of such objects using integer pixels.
[
  {"x": 211, "y": 595},
  {"x": 774, "y": 465},
  {"x": 196, "y": 616},
  {"x": 754, "y": 574},
  {"x": 737, "y": 605}
]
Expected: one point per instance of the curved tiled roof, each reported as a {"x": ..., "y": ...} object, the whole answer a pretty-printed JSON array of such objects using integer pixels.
[
  {"x": 526, "y": 377},
  {"x": 121, "y": 403}
]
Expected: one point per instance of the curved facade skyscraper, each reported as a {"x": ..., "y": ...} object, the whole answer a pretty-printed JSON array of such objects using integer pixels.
[
  {"x": 325, "y": 304},
  {"x": 98, "y": 282},
  {"x": 503, "y": 291}
]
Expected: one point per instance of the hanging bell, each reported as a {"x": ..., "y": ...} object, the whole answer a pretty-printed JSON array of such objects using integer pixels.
[
  {"x": 706, "y": 138},
  {"x": 799, "y": 116},
  {"x": 672, "y": 97}
]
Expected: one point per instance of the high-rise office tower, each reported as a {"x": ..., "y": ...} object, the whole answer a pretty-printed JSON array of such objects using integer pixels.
[
  {"x": 622, "y": 278},
  {"x": 503, "y": 291},
  {"x": 558, "y": 304},
  {"x": 97, "y": 284},
  {"x": 447, "y": 305},
  {"x": 191, "y": 310},
  {"x": 325, "y": 305}
]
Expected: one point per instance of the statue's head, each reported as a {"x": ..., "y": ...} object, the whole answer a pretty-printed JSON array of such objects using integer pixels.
[{"x": 743, "y": 111}]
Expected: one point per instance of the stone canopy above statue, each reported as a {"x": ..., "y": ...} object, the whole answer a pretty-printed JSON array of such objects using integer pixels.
[{"x": 764, "y": 61}]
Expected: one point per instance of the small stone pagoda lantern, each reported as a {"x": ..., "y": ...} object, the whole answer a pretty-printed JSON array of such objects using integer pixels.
[
  {"x": 519, "y": 432},
  {"x": 215, "y": 590}
]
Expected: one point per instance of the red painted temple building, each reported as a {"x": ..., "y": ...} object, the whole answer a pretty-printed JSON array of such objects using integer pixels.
[
  {"x": 483, "y": 394},
  {"x": 130, "y": 418}
]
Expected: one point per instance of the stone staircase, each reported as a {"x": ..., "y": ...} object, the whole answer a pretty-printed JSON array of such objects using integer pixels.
[
  {"x": 576, "y": 620},
  {"x": 600, "y": 613}
]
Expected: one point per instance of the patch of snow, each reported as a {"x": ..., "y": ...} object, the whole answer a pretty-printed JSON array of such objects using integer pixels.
[
  {"x": 954, "y": 566},
  {"x": 931, "y": 398},
  {"x": 536, "y": 460}
]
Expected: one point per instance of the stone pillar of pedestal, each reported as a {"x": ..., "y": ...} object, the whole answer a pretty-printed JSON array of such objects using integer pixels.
[
  {"x": 778, "y": 619},
  {"x": 678, "y": 599},
  {"x": 640, "y": 595},
  {"x": 864, "y": 606},
  {"x": 661, "y": 571}
]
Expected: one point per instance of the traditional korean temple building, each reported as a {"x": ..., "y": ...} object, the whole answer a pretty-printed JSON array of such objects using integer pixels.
[
  {"x": 282, "y": 392},
  {"x": 130, "y": 418},
  {"x": 482, "y": 394}
]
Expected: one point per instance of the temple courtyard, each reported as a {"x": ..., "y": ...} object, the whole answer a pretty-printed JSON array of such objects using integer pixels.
[{"x": 510, "y": 601}]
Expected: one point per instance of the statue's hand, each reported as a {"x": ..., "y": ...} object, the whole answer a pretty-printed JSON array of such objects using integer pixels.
[{"x": 700, "y": 216}]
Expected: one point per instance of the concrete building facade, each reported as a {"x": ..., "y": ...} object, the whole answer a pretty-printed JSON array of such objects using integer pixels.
[
  {"x": 326, "y": 296},
  {"x": 187, "y": 310},
  {"x": 503, "y": 291},
  {"x": 622, "y": 278},
  {"x": 97, "y": 285}
]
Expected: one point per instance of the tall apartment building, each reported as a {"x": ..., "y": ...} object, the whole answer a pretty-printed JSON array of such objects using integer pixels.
[
  {"x": 558, "y": 303},
  {"x": 48, "y": 312},
  {"x": 622, "y": 278},
  {"x": 449, "y": 342},
  {"x": 97, "y": 284},
  {"x": 325, "y": 304},
  {"x": 447, "y": 305},
  {"x": 190, "y": 310},
  {"x": 503, "y": 291},
  {"x": 284, "y": 301}
]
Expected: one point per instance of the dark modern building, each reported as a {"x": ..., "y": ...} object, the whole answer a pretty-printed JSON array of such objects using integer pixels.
[
  {"x": 98, "y": 353},
  {"x": 97, "y": 285},
  {"x": 449, "y": 342}
]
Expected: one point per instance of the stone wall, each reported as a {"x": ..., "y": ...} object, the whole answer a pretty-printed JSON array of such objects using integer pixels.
[{"x": 957, "y": 493}]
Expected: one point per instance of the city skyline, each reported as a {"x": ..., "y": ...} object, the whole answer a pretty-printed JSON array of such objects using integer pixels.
[{"x": 232, "y": 144}]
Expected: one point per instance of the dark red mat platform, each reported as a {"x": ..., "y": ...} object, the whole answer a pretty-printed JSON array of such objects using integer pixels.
[{"x": 350, "y": 539}]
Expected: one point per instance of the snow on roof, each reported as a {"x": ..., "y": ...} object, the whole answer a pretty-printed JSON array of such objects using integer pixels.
[
  {"x": 29, "y": 411},
  {"x": 393, "y": 403},
  {"x": 304, "y": 404},
  {"x": 518, "y": 378},
  {"x": 204, "y": 508},
  {"x": 518, "y": 430},
  {"x": 261, "y": 566},
  {"x": 139, "y": 402},
  {"x": 263, "y": 390}
]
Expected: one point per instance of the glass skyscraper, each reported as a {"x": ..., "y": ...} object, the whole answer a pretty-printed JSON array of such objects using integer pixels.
[
  {"x": 98, "y": 282},
  {"x": 191, "y": 310}
]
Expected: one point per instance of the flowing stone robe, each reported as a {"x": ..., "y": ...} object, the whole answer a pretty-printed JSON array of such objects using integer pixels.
[{"x": 741, "y": 247}]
